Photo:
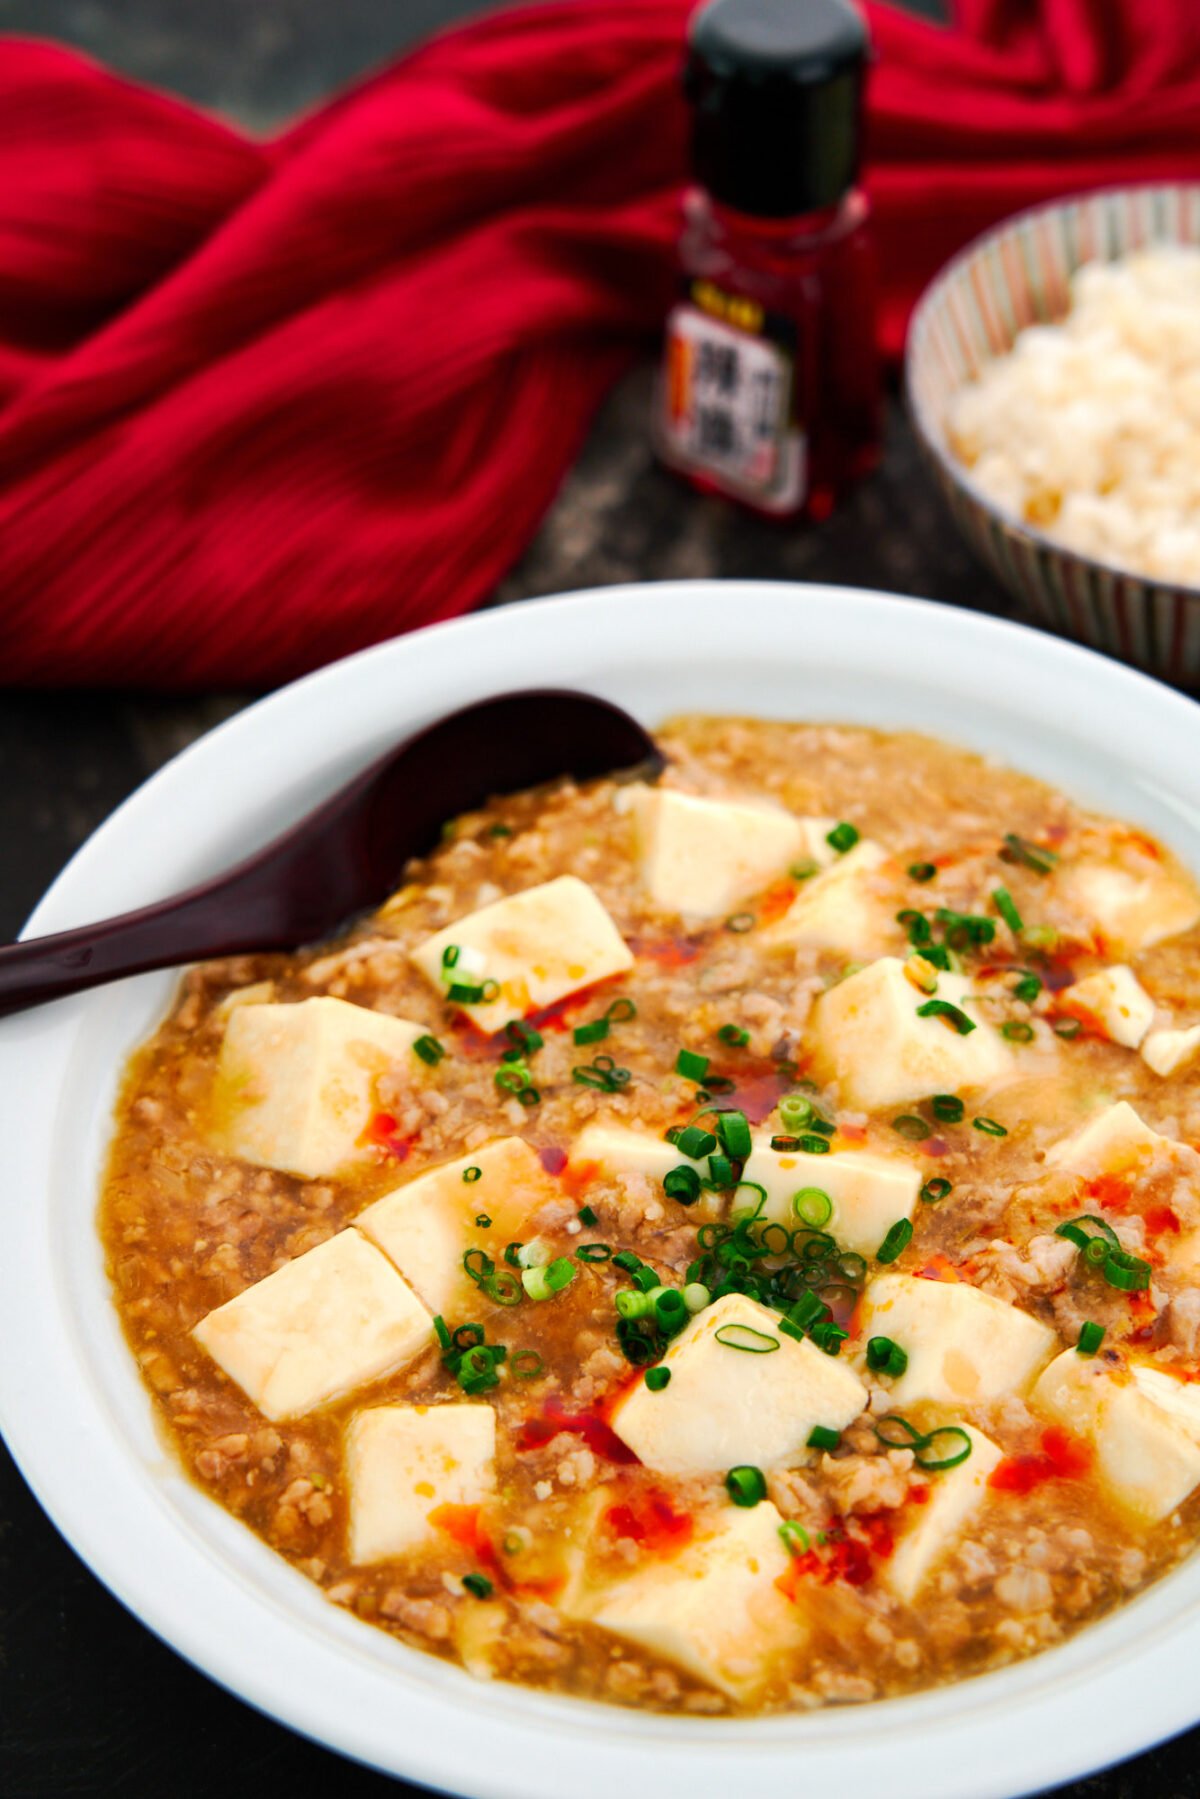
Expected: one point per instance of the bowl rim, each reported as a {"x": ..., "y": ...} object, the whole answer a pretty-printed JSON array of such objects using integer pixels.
[
  {"x": 190, "y": 1571},
  {"x": 930, "y": 434}
]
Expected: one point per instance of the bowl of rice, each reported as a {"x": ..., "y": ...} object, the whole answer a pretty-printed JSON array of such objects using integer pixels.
[{"x": 1053, "y": 376}]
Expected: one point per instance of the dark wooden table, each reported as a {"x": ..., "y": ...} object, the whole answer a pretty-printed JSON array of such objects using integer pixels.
[{"x": 91, "y": 1705}]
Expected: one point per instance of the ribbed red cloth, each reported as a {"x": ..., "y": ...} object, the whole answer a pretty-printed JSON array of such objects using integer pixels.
[{"x": 262, "y": 404}]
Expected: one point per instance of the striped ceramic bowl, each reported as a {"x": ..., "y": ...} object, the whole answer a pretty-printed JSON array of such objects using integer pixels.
[{"x": 1017, "y": 275}]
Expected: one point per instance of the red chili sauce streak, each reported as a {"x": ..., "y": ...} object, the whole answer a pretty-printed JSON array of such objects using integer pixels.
[
  {"x": 1063, "y": 1457},
  {"x": 757, "y": 1088},
  {"x": 600, "y": 1437},
  {"x": 668, "y": 952},
  {"x": 382, "y": 1133},
  {"x": 651, "y": 1520},
  {"x": 837, "y": 1554},
  {"x": 552, "y": 1159}
]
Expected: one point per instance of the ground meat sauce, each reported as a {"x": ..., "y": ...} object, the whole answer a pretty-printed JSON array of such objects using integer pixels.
[{"x": 186, "y": 1227}]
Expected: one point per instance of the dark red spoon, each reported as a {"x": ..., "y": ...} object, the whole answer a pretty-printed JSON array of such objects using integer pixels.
[{"x": 350, "y": 853}]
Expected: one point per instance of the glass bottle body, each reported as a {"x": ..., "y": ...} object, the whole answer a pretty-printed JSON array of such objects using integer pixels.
[{"x": 770, "y": 386}]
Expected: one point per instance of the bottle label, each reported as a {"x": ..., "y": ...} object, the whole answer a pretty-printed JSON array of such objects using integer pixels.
[{"x": 729, "y": 400}]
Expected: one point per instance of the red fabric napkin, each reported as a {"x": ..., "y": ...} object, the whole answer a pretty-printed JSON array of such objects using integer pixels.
[{"x": 264, "y": 403}]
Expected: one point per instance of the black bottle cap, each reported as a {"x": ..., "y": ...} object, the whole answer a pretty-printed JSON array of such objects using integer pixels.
[{"x": 776, "y": 94}]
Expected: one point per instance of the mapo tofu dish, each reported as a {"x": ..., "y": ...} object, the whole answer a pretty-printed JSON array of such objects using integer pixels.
[{"x": 722, "y": 1245}]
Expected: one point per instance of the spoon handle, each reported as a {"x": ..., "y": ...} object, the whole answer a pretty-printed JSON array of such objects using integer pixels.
[{"x": 222, "y": 918}]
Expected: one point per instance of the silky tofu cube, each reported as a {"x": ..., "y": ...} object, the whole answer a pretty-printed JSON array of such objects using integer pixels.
[
  {"x": 332, "y": 1320},
  {"x": 840, "y": 908},
  {"x": 699, "y": 857},
  {"x": 740, "y": 1391},
  {"x": 1112, "y": 1002},
  {"x": 1147, "y": 1459},
  {"x": 538, "y": 946},
  {"x": 612, "y": 1149},
  {"x": 713, "y": 1609},
  {"x": 866, "y": 1035},
  {"x": 1115, "y": 1141},
  {"x": 1132, "y": 904},
  {"x": 1166, "y": 1052},
  {"x": 296, "y": 1084},
  {"x": 869, "y": 1192},
  {"x": 931, "y": 1530},
  {"x": 426, "y": 1225},
  {"x": 963, "y": 1346},
  {"x": 404, "y": 1462}
]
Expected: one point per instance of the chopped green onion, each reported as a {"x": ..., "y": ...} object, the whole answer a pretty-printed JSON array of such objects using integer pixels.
[
  {"x": 536, "y": 1283},
  {"x": 828, "y": 1336},
  {"x": 696, "y": 1296},
  {"x": 909, "y": 1436},
  {"x": 734, "y": 1036},
  {"x": 1028, "y": 855},
  {"x": 1129, "y": 1274},
  {"x": 560, "y": 1273},
  {"x": 593, "y": 1252},
  {"x": 941, "y": 1008},
  {"x": 747, "y": 1339},
  {"x": 621, "y": 1010},
  {"x": 691, "y": 1066},
  {"x": 476, "y": 1263},
  {"x": 938, "y": 956},
  {"x": 429, "y": 1049},
  {"x": 603, "y": 1074},
  {"x": 512, "y": 1254},
  {"x": 1090, "y": 1338},
  {"x": 917, "y": 926},
  {"x": 989, "y": 1127},
  {"x": 482, "y": 1221},
  {"x": 657, "y": 1378},
  {"x": 746, "y": 1485},
  {"x": 785, "y": 1145},
  {"x": 632, "y": 1304},
  {"x": 1067, "y": 1027},
  {"x": 670, "y": 1310},
  {"x": 947, "y": 1108},
  {"x": 740, "y": 922},
  {"x": 1072, "y": 1229},
  {"x": 886, "y": 1357},
  {"x": 1017, "y": 1030},
  {"x": 804, "y": 871},
  {"x": 693, "y": 1142},
  {"x": 502, "y": 1287},
  {"x": 843, "y": 837},
  {"x": 821, "y": 1437},
  {"x": 1006, "y": 906},
  {"x": 462, "y": 994},
  {"x": 472, "y": 1174},
  {"x": 897, "y": 1240},
  {"x": 720, "y": 1171},
  {"x": 795, "y": 1111},
  {"x": 734, "y": 1134},
  {"x": 526, "y": 1364},
  {"x": 962, "y": 930},
  {"x": 499, "y": 830},
  {"x": 948, "y": 1458},
  {"x": 1027, "y": 988},
  {"x": 814, "y": 1146},
  {"x": 510, "y": 1077},
  {"x": 936, "y": 1189},
  {"x": 645, "y": 1279},
  {"x": 628, "y": 1261},
  {"x": 922, "y": 871},
  {"x": 812, "y": 1205},
  {"x": 478, "y": 1584},
  {"x": 682, "y": 1184},
  {"x": 441, "y": 1332},
  {"x": 794, "y": 1537},
  {"x": 587, "y": 1215},
  {"x": 591, "y": 1033},
  {"x": 910, "y": 1125},
  {"x": 524, "y": 1039}
]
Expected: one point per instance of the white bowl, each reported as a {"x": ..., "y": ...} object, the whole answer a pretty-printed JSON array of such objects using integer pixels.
[{"x": 72, "y": 1406}]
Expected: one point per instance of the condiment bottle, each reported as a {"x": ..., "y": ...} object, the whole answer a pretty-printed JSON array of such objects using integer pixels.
[{"x": 770, "y": 385}]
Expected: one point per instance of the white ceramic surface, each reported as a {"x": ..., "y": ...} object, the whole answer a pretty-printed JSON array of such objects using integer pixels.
[{"x": 71, "y": 1405}]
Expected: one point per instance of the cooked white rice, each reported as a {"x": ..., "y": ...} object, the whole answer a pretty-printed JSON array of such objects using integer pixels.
[{"x": 1090, "y": 429}]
